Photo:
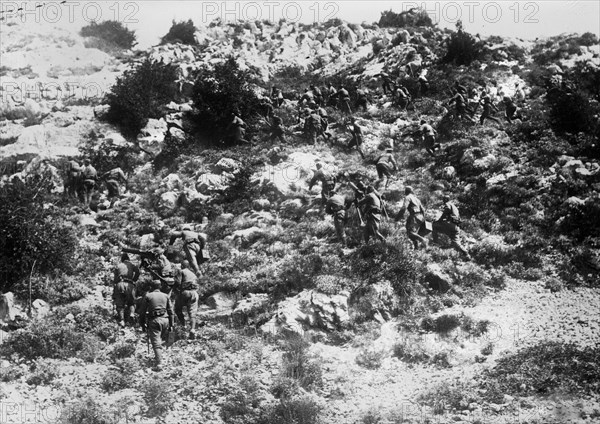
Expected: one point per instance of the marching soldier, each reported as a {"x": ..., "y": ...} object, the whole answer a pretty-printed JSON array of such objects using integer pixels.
[
  {"x": 193, "y": 243},
  {"x": 336, "y": 206},
  {"x": 113, "y": 178},
  {"x": 357, "y": 137},
  {"x": 385, "y": 165},
  {"x": 371, "y": 206},
  {"x": 124, "y": 292},
  {"x": 416, "y": 217},
  {"x": 187, "y": 296},
  {"x": 327, "y": 181},
  {"x": 448, "y": 225},
  {"x": 89, "y": 175},
  {"x": 156, "y": 318}
]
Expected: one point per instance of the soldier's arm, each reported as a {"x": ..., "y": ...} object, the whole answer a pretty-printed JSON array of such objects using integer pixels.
[
  {"x": 143, "y": 312},
  {"x": 170, "y": 312},
  {"x": 174, "y": 235},
  {"x": 393, "y": 160}
]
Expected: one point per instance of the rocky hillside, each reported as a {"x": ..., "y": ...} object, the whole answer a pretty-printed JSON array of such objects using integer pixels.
[{"x": 295, "y": 328}]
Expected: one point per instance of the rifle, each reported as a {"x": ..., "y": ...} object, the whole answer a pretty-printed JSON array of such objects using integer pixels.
[
  {"x": 355, "y": 202},
  {"x": 143, "y": 253}
]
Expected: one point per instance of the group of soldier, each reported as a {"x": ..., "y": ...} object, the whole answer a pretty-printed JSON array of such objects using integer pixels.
[
  {"x": 166, "y": 290},
  {"x": 371, "y": 208},
  {"x": 83, "y": 182}
]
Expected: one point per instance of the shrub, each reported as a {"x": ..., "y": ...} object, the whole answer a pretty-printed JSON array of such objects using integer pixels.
[
  {"x": 408, "y": 18},
  {"x": 59, "y": 290},
  {"x": 383, "y": 261},
  {"x": 159, "y": 396},
  {"x": 220, "y": 91},
  {"x": 455, "y": 394},
  {"x": 410, "y": 350},
  {"x": 105, "y": 155},
  {"x": 570, "y": 110},
  {"x": 243, "y": 405},
  {"x": 88, "y": 411},
  {"x": 181, "y": 32},
  {"x": 32, "y": 238},
  {"x": 49, "y": 340},
  {"x": 115, "y": 380},
  {"x": 11, "y": 373},
  {"x": 370, "y": 358},
  {"x": 299, "y": 409},
  {"x": 300, "y": 365},
  {"x": 139, "y": 94},
  {"x": 112, "y": 32},
  {"x": 43, "y": 372},
  {"x": 461, "y": 48},
  {"x": 545, "y": 368}
]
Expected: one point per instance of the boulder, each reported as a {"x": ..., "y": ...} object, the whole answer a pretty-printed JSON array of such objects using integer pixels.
[
  {"x": 448, "y": 173},
  {"x": 177, "y": 134},
  {"x": 85, "y": 220},
  {"x": 291, "y": 208},
  {"x": 222, "y": 300},
  {"x": 574, "y": 202},
  {"x": 247, "y": 236},
  {"x": 152, "y": 136},
  {"x": 172, "y": 182},
  {"x": 210, "y": 183},
  {"x": 484, "y": 163},
  {"x": 100, "y": 111},
  {"x": 116, "y": 139},
  {"x": 309, "y": 309},
  {"x": 261, "y": 204},
  {"x": 376, "y": 300},
  {"x": 147, "y": 241},
  {"x": 168, "y": 201},
  {"x": 227, "y": 165},
  {"x": 573, "y": 163},
  {"x": 224, "y": 218},
  {"x": 249, "y": 307},
  {"x": 437, "y": 279},
  {"x": 39, "y": 308},
  {"x": 8, "y": 309}
]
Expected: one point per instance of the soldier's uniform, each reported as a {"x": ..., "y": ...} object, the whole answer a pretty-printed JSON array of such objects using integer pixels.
[
  {"x": 157, "y": 316},
  {"x": 336, "y": 206},
  {"x": 488, "y": 108},
  {"x": 313, "y": 127},
  {"x": 511, "y": 109},
  {"x": 113, "y": 178},
  {"x": 385, "y": 164},
  {"x": 327, "y": 182},
  {"x": 371, "y": 208},
  {"x": 193, "y": 243},
  {"x": 459, "y": 100},
  {"x": 277, "y": 131},
  {"x": 403, "y": 97},
  {"x": 357, "y": 138},
  {"x": 124, "y": 292},
  {"x": 89, "y": 175},
  {"x": 73, "y": 180},
  {"x": 237, "y": 130},
  {"x": 386, "y": 82},
  {"x": 362, "y": 99},
  {"x": 416, "y": 217},
  {"x": 161, "y": 271},
  {"x": 344, "y": 100},
  {"x": 428, "y": 134},
  {"x": 423, "y": 85},
  {"x": 187, "y": 297},
  {"x": 448, "y": 225}
]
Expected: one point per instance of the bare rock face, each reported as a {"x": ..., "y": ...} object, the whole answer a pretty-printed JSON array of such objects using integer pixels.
[
  {"x": 437, "y": 279},
  {"x": 8, "y": 309},
  {"x": 250, "y": 306},
  {"x": 309, "y": 310},
  {"x": 227, "y": 165},
  {"x": 378, "y": 301},
  {"x": 222, "y": 300},
  {"x": 152, "y": 136}
]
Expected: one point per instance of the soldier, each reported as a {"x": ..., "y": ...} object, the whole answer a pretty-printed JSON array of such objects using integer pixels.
[
  {"x": 193, "y": 243},
  {"x": 423, "y": 85},
  {"x": 460, "y": 88},
  {"x": 327, "y": 182},
  {"x": 357, "y": 137},
  {"x": 313, "y": 127},
  {"x": 73, "y": 179},
  {"x": 277, "y": 130},
  {"x": 156, "y": 317},
  {"x": 428, "y": 134},
  {"x": 324, "y": 121},
  {"x": 448, "y": 224},
  {"x": 113, "y": 178},
  {"x": 276, "y": 96},
  {"x": 371, "y": 206},
  {"x": 344, "y": 100},
  {"x": 385, "y": 165},
  {"x": 416, "y": 217},
  {"x": 124, "y": 292},
  {"x": 89, "y": 175},
  {"x": 488, "y": 109},
  {"x": 403, "y": 97},
  {"x": 332, "y": 95},
  {"x": 187, "y": 296},
  {"x": 386, "y": 82},
  {"x": 160, "y": 269},
  {"x": 459, "y": 100},
  {"x": 511, "y": 111},
  {"x": 362, "y": 99},
  {"x": 308, "y": 97},
  {"x": 237, "y": 129},
  {"x": 267, "y": 107},
  {"x": 336, "y": 206},
  {"x": 317, "y": 94}
]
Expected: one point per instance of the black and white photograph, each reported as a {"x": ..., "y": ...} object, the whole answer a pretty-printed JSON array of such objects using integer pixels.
[{"x": 299, "y": 212}]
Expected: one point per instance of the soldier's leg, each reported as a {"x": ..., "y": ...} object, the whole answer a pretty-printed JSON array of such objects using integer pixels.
[
  {"x": 191, "y": 253},
  {"x": 179, "y": 303},
  {"x": 376, "y": 233},
  {"x": 121, "y": 314},
  {"x": 192, "y": 308},
  {"x": 155, "y": 335}
]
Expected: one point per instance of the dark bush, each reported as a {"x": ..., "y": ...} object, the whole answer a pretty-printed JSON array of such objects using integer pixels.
[
  {"x": 461, "y": 48},
  {"x": 106, "y": 155},
  {"x": 113, "y": 32},
  {"x": 220, "y": 91},
  {"x": 409, "y": 18},
  {"x": 301, "y": 410},
  {"x": 88, "y": 411},
  {"x": 383, "y": 261},
  {"x": 570, "y": 110},
  {"x": 139, "y": 94},
  {"x": 181, "y": 32},
  {"x": 59, "y": 290},
  {"x": 33, "y": 239},
  {"x": 300, "y": 365}
]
